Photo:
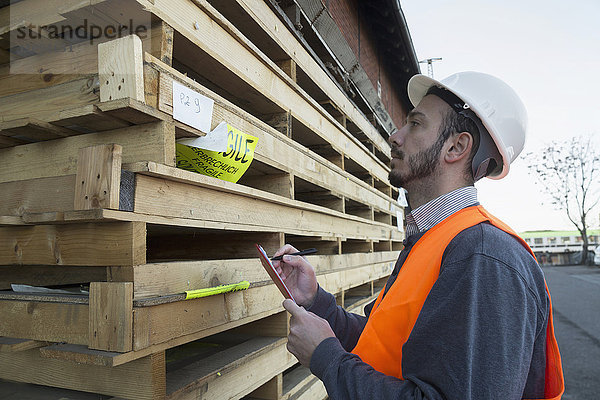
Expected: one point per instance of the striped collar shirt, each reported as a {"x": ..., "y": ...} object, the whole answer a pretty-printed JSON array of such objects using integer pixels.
[{"x": 435, "y": 211}]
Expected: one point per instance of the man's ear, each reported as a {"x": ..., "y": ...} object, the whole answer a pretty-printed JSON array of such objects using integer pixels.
[{"x": 460, "y": 147}]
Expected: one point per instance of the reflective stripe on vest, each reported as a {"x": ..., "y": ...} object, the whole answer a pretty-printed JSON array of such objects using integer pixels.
[{"x": 392, "y": 320}]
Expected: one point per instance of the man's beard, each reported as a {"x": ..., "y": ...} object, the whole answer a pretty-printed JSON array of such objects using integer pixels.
[{"x": 421, "y": 165}]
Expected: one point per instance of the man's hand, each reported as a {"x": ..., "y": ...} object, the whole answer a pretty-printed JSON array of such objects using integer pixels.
[
  {"x": 306, "y": 332},
  {"x": 298, "y": 275}
]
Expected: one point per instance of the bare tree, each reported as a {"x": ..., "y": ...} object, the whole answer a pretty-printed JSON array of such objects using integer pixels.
[{"x": 569, "y": 174}]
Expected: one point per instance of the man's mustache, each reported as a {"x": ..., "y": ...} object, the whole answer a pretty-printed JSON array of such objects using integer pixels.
[{"x": 397, "y": 153}]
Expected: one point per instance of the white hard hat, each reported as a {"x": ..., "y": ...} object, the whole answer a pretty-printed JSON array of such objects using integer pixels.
[{"x": 499, "y": 108}]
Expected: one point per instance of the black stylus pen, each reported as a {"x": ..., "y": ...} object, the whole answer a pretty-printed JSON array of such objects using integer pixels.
[{"x": 298, "y": 253}]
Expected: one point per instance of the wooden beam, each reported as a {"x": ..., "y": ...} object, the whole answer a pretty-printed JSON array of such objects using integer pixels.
[
  {"x": 273, "y": 325},
  {"x": 220, "y": 39},
  {"x": 154, "y": 141},
  {"x": 271, "y": 390},
  {"x": 48, "y": 276},
  {"x": 300, "y": 384},
  {"x": 275, "y": 149},
  {"x": 159, "y": 279},
  {"x": 11, "y": 345},
  {"x": 161, "y": 327},
  {"x": 226, "y": 206},
  {"x": 139, "y": 379},
  {"x": 111, "y": 316},
  {"x": 49, "y": 100},
  {"x": 162, "y": 42},
  {"x": 263, "y": 15},
  {"x": 14, "y": 82},
  {"x": 281, "y": 121},
  {"x": 121, "y": 69},
  {"x": 100, "y": 244},
  {"x": 98, "y": 177},
  {"x": 37, "y": 195},
  {"x": 34, "y": 130},
  {"x": 289, "y": 67},
  {"x": 159, "y": 324},
  {"x": 132, "y": 111},
  {"x": 279, "y": 184},
  {"x": 51, "y": 322},
  {"x": 249, "y": 365}
]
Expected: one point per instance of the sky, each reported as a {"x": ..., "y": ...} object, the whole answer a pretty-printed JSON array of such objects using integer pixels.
[{"x": 549, "y": 52}]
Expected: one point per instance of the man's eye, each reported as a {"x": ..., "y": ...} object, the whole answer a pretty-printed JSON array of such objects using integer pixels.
[{"x": 413, "y": 123}]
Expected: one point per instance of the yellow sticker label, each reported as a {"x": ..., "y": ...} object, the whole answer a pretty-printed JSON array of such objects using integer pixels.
[{"x": 227, "y": 165}]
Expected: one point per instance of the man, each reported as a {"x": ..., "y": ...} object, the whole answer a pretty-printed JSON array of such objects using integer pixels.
[{"x": 465, "y": 313}]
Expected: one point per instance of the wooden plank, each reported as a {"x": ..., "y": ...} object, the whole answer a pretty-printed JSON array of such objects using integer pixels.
[
  {"x": 15, "y": 82},
  {"x": 159, "y": 324},
  {"x": 111, "y": 316},
  {"x": 48, "y": 276},
  {"x": 154, "y": 141},
  {"x": 98, "y": 177},
  {"x": 159, "y": 279},
  {"x": 34, "y": 130},
  {"x": 11, "y": 345},
  {"x": 140, "y": 379},
  {"x": 273, "y": 325},
  {"x": 274, "y": 149},
  {"x": 100, "y": 244},
  {"x": 121, "y": 70},
  {"x": 50, "y": 100},
  {"x": 249, "y": 365},
  {"x": 261, "y": 13},
  {"x": 299, "y": 383},
  {"x": 51, "y": 322},
  {"x": 81, "y": 354},
  {"x": 281, "y": 121},
  {"x": 133, "y": 111},
  {"x": 45, "y": 297},
  {"x": 83, "y": 119},
  {"x": 314, "y": 391},
  {"x": 289, "y": 67},
  {"x": 162, "y": 42},
  {"x": 271, "y": 390},
  {"x": 173, "y": 324},
  {"x": 229, "y": 47},
  {"x": 279, "y": 184},
  {"x": 98, "y": 215},
  {"x": 37, "y": 195},
  {"x": 230, "y": 206}
]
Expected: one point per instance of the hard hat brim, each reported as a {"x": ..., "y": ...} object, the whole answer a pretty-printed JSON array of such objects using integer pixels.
[{"x": 418, "y": 86}]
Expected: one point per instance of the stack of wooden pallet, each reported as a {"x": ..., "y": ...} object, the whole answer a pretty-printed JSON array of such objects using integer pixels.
[{"x": 90, "y": 195}]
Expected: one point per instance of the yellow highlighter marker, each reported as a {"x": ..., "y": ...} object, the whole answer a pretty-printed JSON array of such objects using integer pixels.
[{"x": 234, "y": 287}]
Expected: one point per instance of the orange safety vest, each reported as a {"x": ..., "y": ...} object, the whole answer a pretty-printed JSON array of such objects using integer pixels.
[{"x": 393, "y": 318}]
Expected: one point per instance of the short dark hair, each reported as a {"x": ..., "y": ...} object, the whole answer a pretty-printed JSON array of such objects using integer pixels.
[{"x": 455, "y": 122}]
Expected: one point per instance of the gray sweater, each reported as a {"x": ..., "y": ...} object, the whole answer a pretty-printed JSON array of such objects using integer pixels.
[{"x": 481, "y": 333}]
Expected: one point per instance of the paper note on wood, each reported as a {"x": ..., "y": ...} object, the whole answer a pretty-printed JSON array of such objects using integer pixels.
[
  {"x": 192, "y": 108},
  {"x": 215, "y": 140},
  {"x": 228, "y": 165}
]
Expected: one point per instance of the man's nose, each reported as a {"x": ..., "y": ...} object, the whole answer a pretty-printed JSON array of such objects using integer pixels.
[{"x": 397, "y": 138}]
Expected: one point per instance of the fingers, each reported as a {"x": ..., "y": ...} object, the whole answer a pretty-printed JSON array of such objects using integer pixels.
[
  {"x": 293, "y": 308},
  {"x": 287, "y": 249}
]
